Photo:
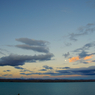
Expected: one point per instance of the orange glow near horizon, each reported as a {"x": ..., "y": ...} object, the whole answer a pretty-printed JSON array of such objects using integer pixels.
[
  {"x": 64, "y": 76},
  {"x": 42, "y": 76},
  {"x": 49, "y": 76}
]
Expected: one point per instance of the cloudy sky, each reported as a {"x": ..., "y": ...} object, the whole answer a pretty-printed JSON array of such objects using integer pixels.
[{"x": 47, "y": 39}]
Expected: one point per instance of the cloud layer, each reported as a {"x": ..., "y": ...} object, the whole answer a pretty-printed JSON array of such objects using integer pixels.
[
  {"x": 35, "y": 45},
  {"x": 66, "y": 54},
  {"x": 85, "y": 47},
  {"x": 34, "y": 48},
  {"x": 32, "y": 42},
  {"x": 82, "y": 53},
  {"x": 73, "y": 59},
  {"x": 79, "y": 71},
  {"x": 90, "y": 71},
  {"x": 84, "y": 30},
  {"x": 46, "y": 68},
  {"x": 15, "y": 60}
]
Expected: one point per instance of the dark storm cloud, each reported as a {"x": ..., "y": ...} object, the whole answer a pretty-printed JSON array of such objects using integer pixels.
[
  {"x": 32, "y": 41},
  {"x": 85, "y": 30},
  {"x": 66, "y": 54},
  {"x": 34, "y": 48},
  {"x": 15, "y": 60}
]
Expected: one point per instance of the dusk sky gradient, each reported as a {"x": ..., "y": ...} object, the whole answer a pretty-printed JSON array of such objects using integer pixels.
[{"x": 47, "y": 39}]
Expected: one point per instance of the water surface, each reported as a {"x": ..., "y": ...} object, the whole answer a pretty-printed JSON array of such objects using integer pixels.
[{"x": 64, "y": 88}]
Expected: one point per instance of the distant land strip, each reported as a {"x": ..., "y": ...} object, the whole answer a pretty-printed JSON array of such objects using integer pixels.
[{"x": 44, "y": 80}]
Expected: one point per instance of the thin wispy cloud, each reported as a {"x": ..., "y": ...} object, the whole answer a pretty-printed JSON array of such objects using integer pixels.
[
  {"x": 84, "y": 30},
  {"x": 63, "y": 67},
  {"x": 19, "y": 67},
  {"x": 9, "y": 75},
  {"x": 66, "y": 54},
  {"x": 46, "y": 67},
  {"x": 91, "y": 3},
  {"x": 3, "y": 51},
  {"x": 34, "y": 48},
  {"x": 27, "y": 74},
  {"x": 35, "y": 45},
  {"x": 85, "y": 47},
  {"x": 32, "y": 42},
  {"x": 6, "y": 70},
  {"x": 43, "y": 70},
  {"x": 89, "y": 71},
  {"x": 67, "y": 44},
  {"x": 22, "y": 69}
]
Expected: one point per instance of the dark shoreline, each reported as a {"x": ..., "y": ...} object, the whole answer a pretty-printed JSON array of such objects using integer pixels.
[{"x": 44, "y": 80}]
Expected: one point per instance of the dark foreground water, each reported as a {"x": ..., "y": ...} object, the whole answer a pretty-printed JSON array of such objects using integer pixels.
[{"x": 70, "y": 88}]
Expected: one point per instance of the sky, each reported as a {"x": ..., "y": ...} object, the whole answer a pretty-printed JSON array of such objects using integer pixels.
[{"x": 47, "y": 39}]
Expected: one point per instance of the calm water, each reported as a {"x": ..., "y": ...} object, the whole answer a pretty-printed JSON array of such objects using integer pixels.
[{"x": 72, "y": 88}]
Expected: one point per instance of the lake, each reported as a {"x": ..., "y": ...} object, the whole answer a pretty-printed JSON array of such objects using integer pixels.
[{"x": 63, "y": 88}]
